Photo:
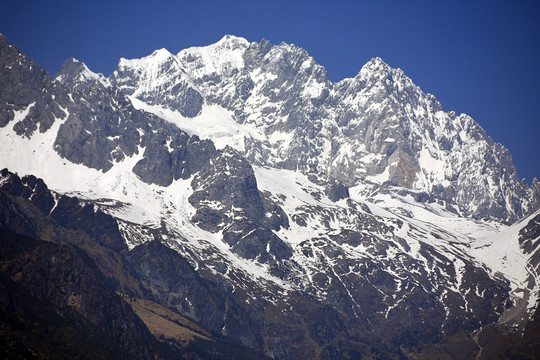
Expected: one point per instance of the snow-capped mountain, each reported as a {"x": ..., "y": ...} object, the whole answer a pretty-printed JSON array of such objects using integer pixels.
[
  {"x": 309, "y": 219},
  {"x": 377, "y": 128}
]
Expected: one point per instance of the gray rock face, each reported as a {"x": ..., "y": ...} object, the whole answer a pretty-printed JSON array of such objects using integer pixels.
[
  {"x": 99, "y": 136},
  {"x": 115, "y": 130},
  {"x": 228, "y": 183},
  {"x": 173, "y": 157},
  {"x": 530, "y": 239},
  {"x": 335, "y": 190},
  {"x": 226, "y": 198},
  {"x": 22, "y": 84},
  {"x": 29, "y": 187},
  {"x": 174, "y": 283}
]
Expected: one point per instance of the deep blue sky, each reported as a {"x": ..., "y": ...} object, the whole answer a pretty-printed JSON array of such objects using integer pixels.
[{"x": 477, "y": 57}]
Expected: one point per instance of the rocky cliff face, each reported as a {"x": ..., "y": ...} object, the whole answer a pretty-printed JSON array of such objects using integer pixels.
[
  {"x": 235, "y": 184},
  {"x": 71, "y": 292}
]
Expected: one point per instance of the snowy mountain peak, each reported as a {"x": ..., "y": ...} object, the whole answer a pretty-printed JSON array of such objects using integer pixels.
[
  {"x": 377, "y": 128},
  {"x": 75, "y": 74},
  {"x": 376, "y": 70},
  {"x": 159, "y": 78},
  {"x": 161, "y": 55},
  {"x": 220, "y": 58},
  {"x": 232, "y": 41},
  {"x": 377, "y": 63},
  {"x": 155, "y": 59}
]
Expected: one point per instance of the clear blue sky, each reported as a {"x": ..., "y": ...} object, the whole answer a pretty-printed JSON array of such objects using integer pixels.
[{"x": 477, "y": 57}]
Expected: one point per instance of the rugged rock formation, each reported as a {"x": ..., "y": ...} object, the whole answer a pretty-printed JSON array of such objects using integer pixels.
[{"x": 236, "y": 185}]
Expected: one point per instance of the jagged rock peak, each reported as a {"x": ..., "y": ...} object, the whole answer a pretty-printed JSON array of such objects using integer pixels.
[
  {"x": 222, "y": 57},
  {"x": 232, "y": 41},
  {"x": 225, "y": 44},
  {"x": 161, "y": 54},
  {"x": 377, "y": 63},
  {"x": 157, "y": 57},
  {"x": 75, "y": 74},
  {"x": 378, "y": 68}
]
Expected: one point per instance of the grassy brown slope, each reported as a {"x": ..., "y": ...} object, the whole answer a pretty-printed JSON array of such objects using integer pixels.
[
  {"x": 166, "y": 324},
  {"x": 184, "y": 334}
]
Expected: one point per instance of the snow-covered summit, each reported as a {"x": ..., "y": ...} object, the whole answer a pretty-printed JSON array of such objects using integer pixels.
[
  {"x": 75, "y": 74},
  {"x": 154, "y": 59},
  {"x": 377, "y": 127},
  {"x": 220, "y": 58},
  {"x": 159, "y": 78},
  {"x": 376, "y": 64}
]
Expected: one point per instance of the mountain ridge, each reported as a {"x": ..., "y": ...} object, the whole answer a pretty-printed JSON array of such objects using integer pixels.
[
  {"x": 305, "y": 265},
  {"x": 418, "y": 161}
]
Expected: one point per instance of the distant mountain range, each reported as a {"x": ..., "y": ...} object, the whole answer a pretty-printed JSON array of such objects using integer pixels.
[{"x": 230, "y": 201}]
